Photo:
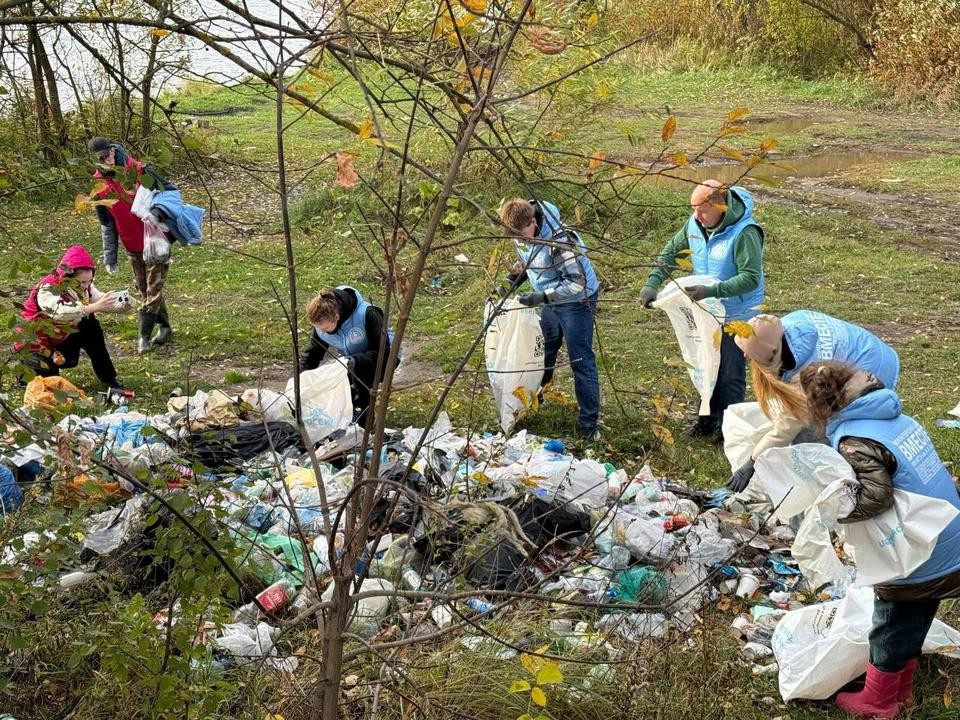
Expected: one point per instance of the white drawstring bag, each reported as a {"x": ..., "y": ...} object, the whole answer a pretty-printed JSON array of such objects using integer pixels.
[
  {"x": 513, "y": 348},
  {"x": 142, "y": 202},
  {"x": 696, "y": 325},
  {"x": 325, "y": 399}
]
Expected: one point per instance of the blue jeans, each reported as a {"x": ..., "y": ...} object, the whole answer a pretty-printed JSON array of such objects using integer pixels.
[
  {"x": 573, "y": 322},
  {"x": 899, "y": 629},
  {"x": 731, "y": 380}
]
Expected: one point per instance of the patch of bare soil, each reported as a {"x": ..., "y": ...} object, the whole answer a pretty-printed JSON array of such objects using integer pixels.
[{"x": 415, "y": 371}]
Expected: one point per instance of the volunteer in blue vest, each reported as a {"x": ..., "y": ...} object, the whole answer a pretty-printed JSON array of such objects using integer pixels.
[
  {"x": 723, "y": 241},
  {"x": 343, "y": 321},
  {"x": 888, "y": 451},
  {"x": 553, "y": 258},
  {"x": 780, "y": 348}
]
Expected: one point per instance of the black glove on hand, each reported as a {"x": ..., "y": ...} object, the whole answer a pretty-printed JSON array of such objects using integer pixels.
[
  {"x": 351, "y": 364},
  {"x": 697, "y": 292},
  {"x": 741, "y": 478},
  {"x": 648, "y": 295},
  {"x": 533, "y": 299}
]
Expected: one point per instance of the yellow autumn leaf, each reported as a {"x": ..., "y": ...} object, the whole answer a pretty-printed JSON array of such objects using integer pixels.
[
  {"x": 523, "y": 395},
  {"x": 322, "y": 75},
  {"x": 578, "y": 213},
  {"x": 768, "y": 144},
  {"x": 669, "y": 128},
  {"x": 593, "y": 19},
  {"x": 475, "y": 6},
  {"x": 539, "y": 697},
  {"x": 365, "y": 131},
  {"x": 737, "y": 113},
  {"x": 684, "y": 263},
  {"x": 732, "y": 130},
  {"x": 494, "y": 260},
  {"x": 738, "y": 328},
  {"x": 596, "y": 160},
  {"x": 273, "y": 716},
  {"x": 685, "y": 251},
  {"x": 519, "y": 686},
  {"x": 555, "y": 135},
  {"x": 531, "y": 663},
  {"x": 604, "y": 90},
  {"x": 661, "y": 433},
  {"x": 160, "y": 33},
  {"x": 732, "y": 153},
  {"x": 948, "y": 696},
  {"x": 81, "y": 203},
  {"x": 660, "y": 405},
  {"x": 717, "y": 339},
  {"x": 549, "y": 675},
  {"x": 679, "y": 158}
]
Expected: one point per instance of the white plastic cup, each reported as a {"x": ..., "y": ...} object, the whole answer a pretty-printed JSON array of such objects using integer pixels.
[
  {"x": 739, "y": 625},
  {"x": 748, "y": 585}
]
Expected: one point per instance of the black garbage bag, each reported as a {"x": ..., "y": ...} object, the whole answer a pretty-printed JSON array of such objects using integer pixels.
[{"x": 230, "y": 447}]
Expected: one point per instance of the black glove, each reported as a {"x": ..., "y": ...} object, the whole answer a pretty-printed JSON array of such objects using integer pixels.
[
  {"x": 351, "y": 364},
  {"x": 741, "y": 478},
  {"x": 648, "y": 295},
  {"x": 697, "y": 292},
  {"x": 501, "y": 291},
  {"x": 533, "y": 299}
]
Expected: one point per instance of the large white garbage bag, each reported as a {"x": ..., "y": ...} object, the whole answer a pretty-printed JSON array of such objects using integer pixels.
[
  {"x": 325, "y": 399},
  {"x": 820, "y": 648},
  {"x": 696, "y": 326},
  {"x": 794, "y": 476},
  {"x": 513, "y": 348},
  {"x": 744, "y": 425}
]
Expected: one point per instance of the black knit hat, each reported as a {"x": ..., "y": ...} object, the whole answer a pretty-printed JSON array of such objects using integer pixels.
[{"x": 97, "y": 145}]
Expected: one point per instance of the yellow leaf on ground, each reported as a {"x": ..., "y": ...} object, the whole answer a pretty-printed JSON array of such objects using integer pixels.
[
  {"x": 596, "y": 160},
  {"x": 549, "y": 675},
  {"x": 555, "y": 135},
  {"x": 519, "y": 686},
  {"x": 604, "y": 90},
  {"x": 669, "y": 128},
  {"x": 661, "y": 433},
  {"x": 593, "y": 19},
  {"x": 948, "y": 696},
  {"x": 539, "y": 697},
  {"x": 475, "y": 6},
  {"x": 737, "y": 113}
]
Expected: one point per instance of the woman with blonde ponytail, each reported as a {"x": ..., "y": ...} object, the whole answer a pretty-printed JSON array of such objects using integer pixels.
[{"x": 779, "y": 349}]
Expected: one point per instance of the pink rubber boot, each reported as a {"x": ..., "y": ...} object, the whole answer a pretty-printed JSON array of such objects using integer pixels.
[
  {"x": 878, "y": 699},
  {"x": 905, "y": 693}
]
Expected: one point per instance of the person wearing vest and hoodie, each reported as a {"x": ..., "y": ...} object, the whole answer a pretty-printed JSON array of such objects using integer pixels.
[
  {"x": 888, "y": 451},
  {"x": 60, "y": 314},
  {"x": 119, "y": 176},
  {"x": 780, "y": 348},
  {"x": 343, "y": 321},
  {"x": 724, "y": 242},
  {"x": 553, "y": 259}
]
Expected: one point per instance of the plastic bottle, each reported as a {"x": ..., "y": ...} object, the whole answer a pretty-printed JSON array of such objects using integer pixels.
[
  {"x": 481, "y": 606},
  {"x": 411, "y": 579}
]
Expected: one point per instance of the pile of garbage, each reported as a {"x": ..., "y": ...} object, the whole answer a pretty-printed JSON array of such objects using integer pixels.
[{"x": 476, "y": 518}]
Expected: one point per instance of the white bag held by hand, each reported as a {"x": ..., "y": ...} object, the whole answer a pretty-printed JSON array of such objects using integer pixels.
[
  {"x": 156, "y": 247},
  {"x": 325, "y": 399},
  {"x": 696, "y": 325},
  {"x": 513, "y": 348},
  {"x": 896, "y": 542},
  {"x": 142, "y": 202},
  {"x": 820, "y": 648},
  {"x": 794, "y": 476},
  {"x": 744, "y": 425}
]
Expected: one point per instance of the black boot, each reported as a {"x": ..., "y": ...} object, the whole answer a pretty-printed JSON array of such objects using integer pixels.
[
  {"x": 163, "y": 322},
  {"x": 146, "y": 330}
]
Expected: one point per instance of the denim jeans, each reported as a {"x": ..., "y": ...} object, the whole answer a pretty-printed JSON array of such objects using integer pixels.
[
  {"x": 899, "y": 629},
  {"x": 731, "y": 380},
  {"x": 573, "y": 322}
]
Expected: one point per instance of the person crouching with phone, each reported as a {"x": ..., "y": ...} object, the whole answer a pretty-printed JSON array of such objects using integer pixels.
[{"x": 60, "y": 314}]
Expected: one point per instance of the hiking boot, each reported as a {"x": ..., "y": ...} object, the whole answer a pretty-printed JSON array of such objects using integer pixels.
[
  {"x": 588, "y": 434},
  {"x": 705, "y": 426}
]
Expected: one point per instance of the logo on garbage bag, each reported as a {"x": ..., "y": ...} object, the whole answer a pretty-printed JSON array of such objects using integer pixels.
[
  {"x": 688, "y": 316},
  {"x": 892, "y": 536},
  {"x": 538, "y": 351}
]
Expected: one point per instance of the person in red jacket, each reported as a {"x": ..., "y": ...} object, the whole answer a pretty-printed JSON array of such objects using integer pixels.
[
  {"x": 119, "y": 175},
  {"x": 60, "y": 320}
]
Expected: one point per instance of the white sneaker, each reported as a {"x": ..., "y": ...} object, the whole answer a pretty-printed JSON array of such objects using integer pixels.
[{"x": 112, "y": 269}]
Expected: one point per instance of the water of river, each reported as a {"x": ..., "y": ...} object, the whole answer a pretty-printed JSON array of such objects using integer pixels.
[{"x": 185, "y": 58}]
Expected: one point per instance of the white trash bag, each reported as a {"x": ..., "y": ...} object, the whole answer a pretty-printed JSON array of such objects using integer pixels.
[
  {"x": 744, "y": 425},
  {"x": 696, "y": 325},
  {"x": 794, "y": 476},
  {"x": 273, "y": 406},
  {"x": 513, "y": 349},
  {"x": 142, "y": 202},
  {"x": 325, "y": 399},
  {"x": 820, "y": 648}
]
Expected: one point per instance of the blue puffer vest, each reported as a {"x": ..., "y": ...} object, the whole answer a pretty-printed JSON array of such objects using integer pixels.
[
  {"x": 539, "y": 260},
  {"x": 877, "y": 416},
  {"x": 813, "y": 336},
  {"x": 351, "y": 338},
  {"x": 716, "y": 257}
]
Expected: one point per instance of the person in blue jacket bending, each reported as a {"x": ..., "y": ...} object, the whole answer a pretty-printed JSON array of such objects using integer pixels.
[
  {"x": 780, "y": 348},
  {"x": 553, "y": 259},
  {"x": 343, "y": 321},
  {"x": 888, "y": 451}
]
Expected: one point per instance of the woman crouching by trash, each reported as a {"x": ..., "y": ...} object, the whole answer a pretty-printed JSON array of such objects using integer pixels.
[
  {"x": 887, "y": 450},
  {"x": 61, "y": 320}
]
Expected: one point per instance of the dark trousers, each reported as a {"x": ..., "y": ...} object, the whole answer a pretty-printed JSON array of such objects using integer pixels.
[
  {"x": 573, "y": 322},
  {"x": 731, "y": 384},
  {"x": 87, "y": 337},
  {"x": 899, "y": 629}
]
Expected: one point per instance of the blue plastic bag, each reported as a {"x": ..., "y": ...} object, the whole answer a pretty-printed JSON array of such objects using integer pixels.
[{"x": 11, "y": 494}]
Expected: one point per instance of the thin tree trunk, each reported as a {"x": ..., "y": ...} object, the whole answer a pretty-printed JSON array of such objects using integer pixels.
[
  {"x": 39, "y": 94},
  {"x": 53, "y": 93},
  {"x": 146, "y": 88}
]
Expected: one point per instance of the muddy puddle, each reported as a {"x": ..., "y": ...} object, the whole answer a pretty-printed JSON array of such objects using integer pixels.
[{"x": 775, "y": 172}]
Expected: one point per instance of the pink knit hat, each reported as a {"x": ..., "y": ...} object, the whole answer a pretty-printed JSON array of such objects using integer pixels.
[{"x": 764, "y": 346}]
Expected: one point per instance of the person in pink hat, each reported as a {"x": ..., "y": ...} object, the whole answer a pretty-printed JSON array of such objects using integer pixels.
[
  {"x": 60, "y": 320},
  {"x": 780, "y": 348}
]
